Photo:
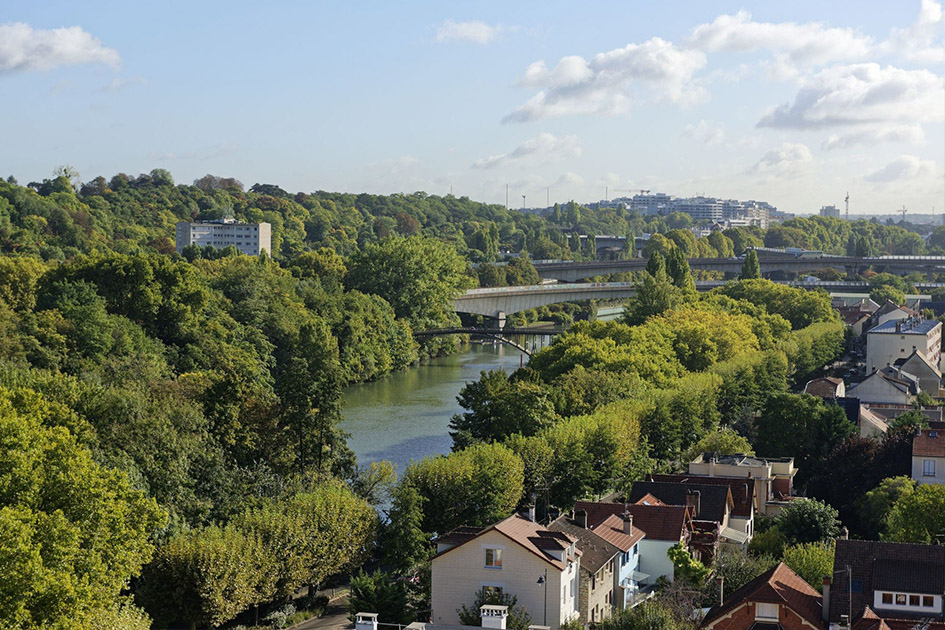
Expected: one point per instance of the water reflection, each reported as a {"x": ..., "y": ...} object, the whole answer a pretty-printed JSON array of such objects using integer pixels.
[{"x": 406, "y": 416}]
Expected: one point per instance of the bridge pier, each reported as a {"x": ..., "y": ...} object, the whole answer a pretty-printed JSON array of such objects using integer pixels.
[{"x": 500, "y": 318}]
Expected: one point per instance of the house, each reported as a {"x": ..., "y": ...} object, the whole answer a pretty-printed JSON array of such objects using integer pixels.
[
  {"x": 603, "y": 559},
  {"x": 517, "y": 556},
  {"x": 773, "y": 477},
  {"x": 871, "y": 423},
  {"x": 928, "y": 375},
  {"x": 741, "y": 519},
  {"x": 897, "y": 339},
  {"x": 901, "y": 584},
  {"x": 710, "y": 505},
  {"x": 827, "y": 387},
  {"x": 886, "y": 386},
  {"x": 620, "y": 531},
  {"x": 662, "y": 525},
  {"x": 890, "y": 312},
  {"x": 778, "y": 598},
  {"x": 928, "y": 456}
]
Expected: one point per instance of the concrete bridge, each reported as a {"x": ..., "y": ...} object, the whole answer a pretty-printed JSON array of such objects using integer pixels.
[
  {"x": 500, "y": 301},
  {"x": 770, "y": 262}
]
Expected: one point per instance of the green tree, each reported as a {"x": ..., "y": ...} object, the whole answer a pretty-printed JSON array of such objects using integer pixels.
[
  {"x": 405, "y": 545},
  {"x": 808, "y": 521},
  {"x": 724, "y": 441},
  {"x": 418, "y": 275},
  {"x": 918, "y": 516},
  {"x": 72, "y": 532},
  {"x": 812, "y": 561},
  {"x": 883, "y": 292},
  {"x": 650, "y": 615},
  {"x": 677, "y": 269},
  {"x": 382, "y": 594},
  {"x": 751, "y": 268},
  {"x": 207, "y": 577},
  {"x": 738, "y": 568},
  {"x": 687, "y": 567},
  {"x": 800, "y": 426},
  {"x": 875, "y": 505},
  {"x": 656, "y": 294},
  {"x": 518, "y": 618},
  {"x": 476, "y": 486}
]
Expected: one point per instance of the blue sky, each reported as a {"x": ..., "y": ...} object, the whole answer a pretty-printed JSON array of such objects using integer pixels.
[{"x": 794, "y": 103}]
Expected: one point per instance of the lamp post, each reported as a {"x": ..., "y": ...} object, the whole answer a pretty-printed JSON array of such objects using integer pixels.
[{"x": 544, "y": 580}]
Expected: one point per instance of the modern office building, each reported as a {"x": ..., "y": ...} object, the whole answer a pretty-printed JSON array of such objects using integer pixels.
[
  {"x": 830, "y": 211},
  {"x": 251, "y": 239}
]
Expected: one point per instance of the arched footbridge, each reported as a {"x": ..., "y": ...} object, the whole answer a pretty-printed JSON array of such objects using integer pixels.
[{"x": 502, "y": 335}]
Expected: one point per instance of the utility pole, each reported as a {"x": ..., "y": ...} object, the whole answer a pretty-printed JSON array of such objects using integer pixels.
[{"x": 523, "y": 202}]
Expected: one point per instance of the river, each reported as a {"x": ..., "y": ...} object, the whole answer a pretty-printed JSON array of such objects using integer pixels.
[{"x": 406, "y": 416}]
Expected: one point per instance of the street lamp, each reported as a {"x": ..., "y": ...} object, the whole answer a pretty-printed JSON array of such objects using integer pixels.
[{"x": 544, "y": 580}]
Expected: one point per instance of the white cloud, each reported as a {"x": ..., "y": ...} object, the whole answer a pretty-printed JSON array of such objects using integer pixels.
[
  {"x": 922, "y": 41},
  {"x": 543, "y": 148},
  {"x": 569, "y": 179},
  {"x": 23, "y": 48},
  {"x": 788, "y": 159},
  {"x": 905, "y": 167},
  {"x": 862, "y": 94},
  {"x": 911, "y": 134},
  {"x": 810, "y": 43},
  {"x": 474, "y": 31},
  {"x": 656, "y": 69},
  {"x": 707, "y": 133}
]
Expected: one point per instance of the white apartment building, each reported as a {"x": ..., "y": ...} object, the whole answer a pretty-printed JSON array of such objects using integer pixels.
[
  {"x": 897, "y": 339},
  {"x": 928, "y": 456},
  {"x": 251, "y": 239}
]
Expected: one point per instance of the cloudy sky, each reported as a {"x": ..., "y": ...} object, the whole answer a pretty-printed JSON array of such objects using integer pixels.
[{"x": 794, "y": 102}]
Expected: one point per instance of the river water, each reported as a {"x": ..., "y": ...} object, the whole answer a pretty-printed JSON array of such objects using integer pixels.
[{"x": 406, "y": 416}]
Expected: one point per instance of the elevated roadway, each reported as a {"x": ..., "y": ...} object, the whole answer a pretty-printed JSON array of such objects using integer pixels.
[
  {"x": 501, "y": 301},
  {"x": 770, "y": 263}
]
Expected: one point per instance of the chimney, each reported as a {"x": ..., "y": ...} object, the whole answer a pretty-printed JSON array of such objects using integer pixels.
[
  {"x": 825, "y": 609},
  {"x": 531, "y": 511},
  {"x": 365, "y": 621},
  {"x": 844, "y": 533},
  {"x": 627, "y": 523},
  {"x": 694, "y": 499},
  {"x": 898, "y": 326},
  {"x": 494, "y": 616},
  {"x": 721, "y": 582},
  {"x": 580, "y": 518}
]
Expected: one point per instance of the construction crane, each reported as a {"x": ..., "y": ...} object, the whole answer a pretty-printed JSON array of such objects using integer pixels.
[
  {"x": 632, "y": 190},
  {"x": 903, "y": 211}
]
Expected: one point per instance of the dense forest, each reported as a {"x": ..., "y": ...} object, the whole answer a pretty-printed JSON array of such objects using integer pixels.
[{"x": 170, "y": 420}]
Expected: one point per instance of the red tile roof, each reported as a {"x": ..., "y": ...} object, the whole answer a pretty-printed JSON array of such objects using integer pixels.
[
  {"x": 658, "y": 522},
  {"x": 530, "y": 535},
  {"x": 778, "y": 585},
  {"x": 925, "y": 445},
  {"x": 611, "y": 530}
]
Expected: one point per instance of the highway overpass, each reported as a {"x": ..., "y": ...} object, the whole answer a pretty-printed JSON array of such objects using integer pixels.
[
  {"x": 500, "y": 301},
  {"x": 770, "y": 263}
]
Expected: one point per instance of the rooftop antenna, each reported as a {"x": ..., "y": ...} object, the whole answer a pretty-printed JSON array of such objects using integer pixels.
[{"x": 846, "y": 200}]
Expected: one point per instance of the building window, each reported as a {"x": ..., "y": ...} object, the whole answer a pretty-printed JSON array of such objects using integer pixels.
[
  {"x": 928, "y": 601},
  {"x": 928, "y": 467},
  {"x": 900, "y": 599},
  {"x": 766, "y": 611},
  {"x": 887, "y": 598},
  {"x": 493, "y": 558},
  {"x": 913, "y": 600},
  {"x": 856, "y": 585},
  {"x": 491, "y": 590}
]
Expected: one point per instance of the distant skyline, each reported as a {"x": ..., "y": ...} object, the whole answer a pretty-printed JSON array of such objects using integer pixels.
[{"x": 791, "y": 103}]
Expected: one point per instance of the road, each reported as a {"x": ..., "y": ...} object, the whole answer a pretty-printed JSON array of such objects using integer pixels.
[{"x": 335, "y": 618}]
